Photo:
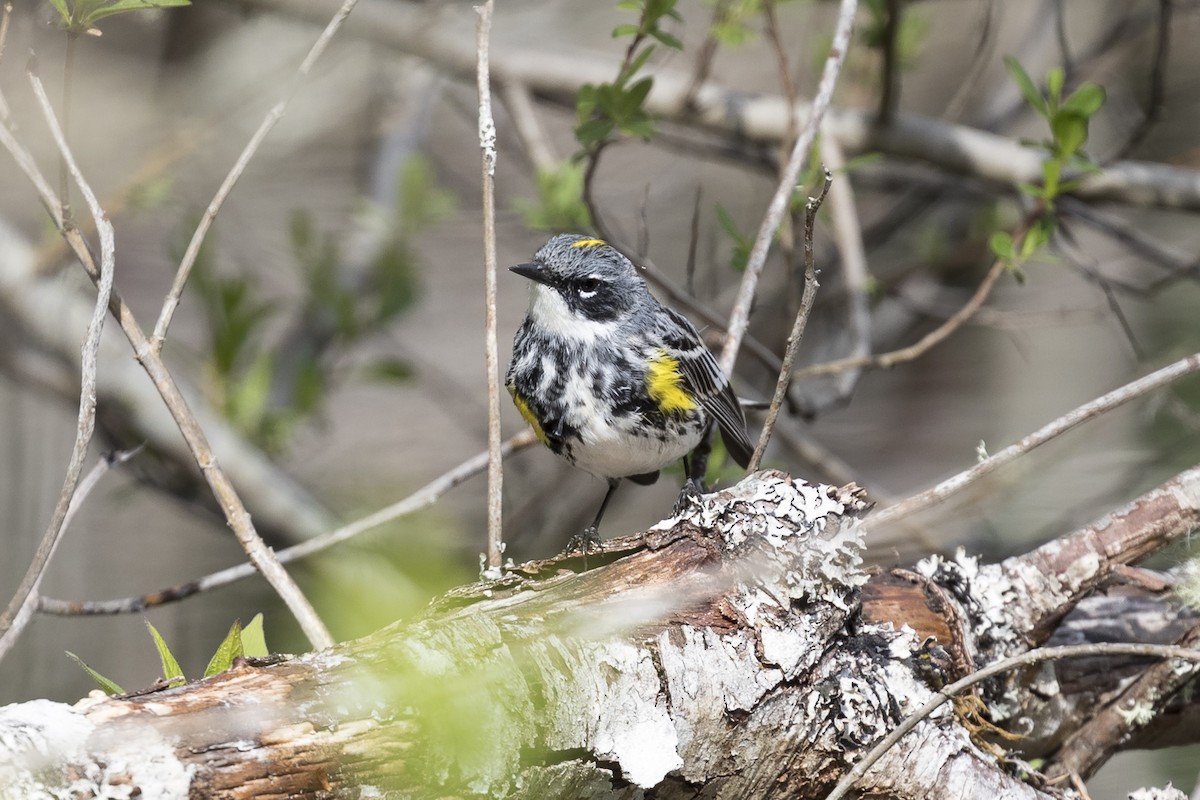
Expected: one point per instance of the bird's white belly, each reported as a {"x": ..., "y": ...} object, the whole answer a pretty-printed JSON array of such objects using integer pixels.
[{"x": 610, "y": 452}]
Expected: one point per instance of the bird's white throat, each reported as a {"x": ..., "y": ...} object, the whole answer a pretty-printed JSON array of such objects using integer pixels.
[{"x": 550, "y": 311}]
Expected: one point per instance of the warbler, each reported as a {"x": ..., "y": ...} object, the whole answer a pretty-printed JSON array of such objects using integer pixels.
[{"x": 611, "y": 380}]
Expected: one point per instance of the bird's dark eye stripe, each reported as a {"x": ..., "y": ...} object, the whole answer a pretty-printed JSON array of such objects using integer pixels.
[{"x": 589, "y": 284}]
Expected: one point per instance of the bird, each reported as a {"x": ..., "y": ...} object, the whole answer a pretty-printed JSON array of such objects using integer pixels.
[{"x": 610, "y": 379}]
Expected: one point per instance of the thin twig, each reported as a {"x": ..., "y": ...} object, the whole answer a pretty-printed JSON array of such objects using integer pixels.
[
  {"x": 689, "y": 272},
  {"x": 762, "y": 118},
  {"x": 171, "y": 302},
  {"x": 739, "y": 318},
  {"x": 487, "y": 144},
  {"x": 968, "y": 84},
  {"x": 5, "y": 16},
  {"x": 106, "y": 463},
  {"x": 519, "y": 102},
  {"x": 1064, "y": 40},
  {"x": 947, "y": 694},
  {"x": 1108, "y": 727},
  {"x": 919, "y": 348},
  {"x": 705, "y": 52},
  {"x": 786, "y": 85},
  {"x": 889, "y": 97},
  {"x": 197, "y": 441},
  {"x": 20, "y": 609},
  {"x": 1158, "y": 79},
  {"x": 1072, "y": 419},
  {"x": 425, "y": 496},
  {"x": 847, "y": 235},
  {"x": 797, "y": 334}
]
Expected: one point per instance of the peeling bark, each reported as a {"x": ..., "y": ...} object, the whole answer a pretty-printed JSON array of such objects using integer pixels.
[{"x": 737, "y": 651}]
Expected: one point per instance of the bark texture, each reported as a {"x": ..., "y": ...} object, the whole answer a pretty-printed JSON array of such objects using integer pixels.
[{"x": 737, "y": 651}]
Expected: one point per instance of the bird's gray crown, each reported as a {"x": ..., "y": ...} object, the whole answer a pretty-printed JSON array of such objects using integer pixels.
[{"x": 573, "y": 257}]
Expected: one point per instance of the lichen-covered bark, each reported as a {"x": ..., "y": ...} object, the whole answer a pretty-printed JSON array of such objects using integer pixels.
[{"x": 722, "y": 654}]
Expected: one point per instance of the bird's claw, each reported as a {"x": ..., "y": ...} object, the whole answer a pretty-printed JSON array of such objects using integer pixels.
[
  {"x": 688, "y": 495},
  {"x": 587, "y": 540}
]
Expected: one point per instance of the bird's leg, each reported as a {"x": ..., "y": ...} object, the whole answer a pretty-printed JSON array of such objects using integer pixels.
[
  {"x": 693, "y": 471},
  {"x": 589, "y": 538}
]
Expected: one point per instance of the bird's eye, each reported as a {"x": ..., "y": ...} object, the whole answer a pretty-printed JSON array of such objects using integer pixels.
[{"x": 588, "y": 287}]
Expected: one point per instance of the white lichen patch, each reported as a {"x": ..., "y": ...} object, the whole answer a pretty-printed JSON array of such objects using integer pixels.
[
  {"x": 51, "y": 750},
  {"x": 813, "y": 552},
  {"x": 633, "y": 727}
]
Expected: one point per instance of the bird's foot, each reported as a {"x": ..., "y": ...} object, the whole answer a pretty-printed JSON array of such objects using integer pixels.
[
  {"x": 587, "y": 540},
  {"x": 688, "y": 495}
]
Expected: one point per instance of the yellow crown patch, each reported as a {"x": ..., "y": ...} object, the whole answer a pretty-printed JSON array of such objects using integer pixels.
[{"x": 589, "y": 243}]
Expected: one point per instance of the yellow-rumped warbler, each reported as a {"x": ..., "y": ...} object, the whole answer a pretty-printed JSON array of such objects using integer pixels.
[{"x": 608, "y": 378}]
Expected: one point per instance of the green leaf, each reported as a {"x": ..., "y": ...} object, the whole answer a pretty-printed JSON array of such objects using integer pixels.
[
  {"x": 1070, "y": 132},
  {"x": 1086, "y": 100},
  {"x": 172, "y": 672},
  {"x": 230, "y": 648},
  {"x": 636, "y": 94},
  {"x": 254, "y": 641},
  {"x": 122, "y": 6},
  {"x": 668, "y": 40},
  {"x": 1031, "y": 189},
  {"x": 1051, "y": 173},
  {"x": 625, "y": 30},
  {"x": 389, "y": 369},
  {"x": 1054, "y": 87},
  {"x": 638, "y": 62},
  {"x": 248, "y": 398},
  {"x": 1030, "y": 90},
  {"x": 1001, "y": 244},
  {"x": 110, "y": 687},
  {"x": 61, "y": 7}
]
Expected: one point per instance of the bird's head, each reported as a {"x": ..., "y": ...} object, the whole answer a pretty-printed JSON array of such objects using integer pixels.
[{"x": 581, "y": 285}]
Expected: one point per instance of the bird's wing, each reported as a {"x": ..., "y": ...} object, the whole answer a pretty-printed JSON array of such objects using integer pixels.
[{"x": 703, "y": 377}]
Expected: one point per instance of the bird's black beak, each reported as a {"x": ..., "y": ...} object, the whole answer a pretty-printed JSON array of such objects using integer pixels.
[{"x": 534, "y": 271}]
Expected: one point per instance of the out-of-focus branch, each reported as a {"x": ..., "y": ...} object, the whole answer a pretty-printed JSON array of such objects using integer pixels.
[
  {"x": 1119, "y": 719},
  {"x": 797, "y": 332},
  {"x": 847, "y": 236},
  {"x": 739, "y": 318},
  {"x": 947, "y": 694},
  {"x": 20, "y": 609},
  {"x": 171, "y": 302},
  {"x": 1085, "y": 412},
  {"x": 423, "y": 497},
  {"x": 919, "y": 348},
  {"x": 557, "y": 76},
  {"x": 197, "y": 441}
]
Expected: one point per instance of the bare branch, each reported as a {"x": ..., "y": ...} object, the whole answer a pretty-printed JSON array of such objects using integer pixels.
[
  {"x": 195, "y": 437},
  {"x": 889, "y": 98},
  {"x": 1085, "y": 412},
  {"x": 1119, "y": 719},
  {"x": 423, "y": 497},
  {"x": 20, "y": 609},
  {"x": 761, "y": 117},
  {"x": 519, "y": 103},
  {"x": 210, "y": 213},
  {"x": 487, "y": 144},
  {"x": 739, "y": 318},
  {"x": 947, "y": 694},
  {"x": 1158, "y": 80},
  {"x": 797, "y": 333},
  {"x": 919, "y": 348},
  {"x": 847, "y": 233}
]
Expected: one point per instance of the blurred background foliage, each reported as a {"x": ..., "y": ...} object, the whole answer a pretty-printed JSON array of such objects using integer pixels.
[{"x": 334, "y": 320}]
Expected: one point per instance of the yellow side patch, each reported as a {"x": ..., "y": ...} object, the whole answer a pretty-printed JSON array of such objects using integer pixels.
[
  {"x": 664, "y": 381},
  {"x": 589, "y": 243},
  {"x": 528, "y": 415}
]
